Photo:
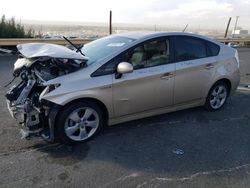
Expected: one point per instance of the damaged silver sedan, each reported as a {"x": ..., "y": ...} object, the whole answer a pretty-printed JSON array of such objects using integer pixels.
[{"x": 70, "y": 94}]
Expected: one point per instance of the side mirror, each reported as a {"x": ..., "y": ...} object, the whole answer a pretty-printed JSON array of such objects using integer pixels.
[{"x": 124, "y": 67}]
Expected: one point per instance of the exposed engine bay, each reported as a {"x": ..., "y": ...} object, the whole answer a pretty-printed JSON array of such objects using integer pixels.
[{"x": 23, "y": 99}]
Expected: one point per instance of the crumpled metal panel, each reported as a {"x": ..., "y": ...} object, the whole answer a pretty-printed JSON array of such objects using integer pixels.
[{"x": 33, "y": 50}]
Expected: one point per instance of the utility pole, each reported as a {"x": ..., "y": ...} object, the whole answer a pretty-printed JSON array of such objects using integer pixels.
[
  {"x": 185, "y": 28},
  {"x": 229, "y": 21},
  {"x": 110, "y": 22},
  {"x": 236, "y": 22}
]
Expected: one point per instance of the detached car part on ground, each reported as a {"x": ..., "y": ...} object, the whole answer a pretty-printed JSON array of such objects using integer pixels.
[{"x": 68, "y": 96}]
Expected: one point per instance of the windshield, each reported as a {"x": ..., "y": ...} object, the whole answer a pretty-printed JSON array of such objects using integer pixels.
[{"x": 103, "y": 47}]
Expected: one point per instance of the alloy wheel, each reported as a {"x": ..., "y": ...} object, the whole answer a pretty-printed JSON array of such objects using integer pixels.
[
  {"x": 81, "y": 124},
  {"x": 218, "y": 96}
]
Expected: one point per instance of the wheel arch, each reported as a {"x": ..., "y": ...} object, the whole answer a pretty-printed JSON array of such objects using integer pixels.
[
  {"x": 207, "y": 104},
  {"x": 226, "y": 81},
  {"x": 54, "y": 129},
  {"x": 96, "y": 101}
]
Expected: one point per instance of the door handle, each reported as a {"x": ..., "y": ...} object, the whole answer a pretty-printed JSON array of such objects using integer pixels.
[
  {"x": 209, "y": 66},
  {"x": 167, "y": 75}
]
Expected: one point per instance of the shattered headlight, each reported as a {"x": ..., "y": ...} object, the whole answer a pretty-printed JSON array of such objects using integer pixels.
[{"x": 52, "y": 87}]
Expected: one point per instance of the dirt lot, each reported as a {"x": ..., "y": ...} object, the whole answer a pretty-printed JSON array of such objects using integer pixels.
[{"x": 216, "y": 149}]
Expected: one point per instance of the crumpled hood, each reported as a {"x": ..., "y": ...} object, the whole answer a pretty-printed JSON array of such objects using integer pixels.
[{"x": 33, "y": 50}]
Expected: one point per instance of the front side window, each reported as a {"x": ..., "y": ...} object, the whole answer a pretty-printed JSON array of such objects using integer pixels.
[
  {"x": 189, "y": 48},
  {"x": 149, "y": 54},
  {"x": 108, "y": 68}
]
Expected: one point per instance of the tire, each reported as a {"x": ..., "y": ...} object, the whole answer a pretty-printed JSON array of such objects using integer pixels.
[
  {"x": 217, "y": 96},
  {"x": 79, "y": 122}
]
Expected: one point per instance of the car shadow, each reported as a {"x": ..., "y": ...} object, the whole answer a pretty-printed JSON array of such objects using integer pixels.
[{"x": 209, "y": 141}]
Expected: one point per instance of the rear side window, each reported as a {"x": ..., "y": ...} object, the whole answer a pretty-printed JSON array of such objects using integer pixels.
[
  {"x": 212, "y": 49},
  {"x": 188, "y": 48}
]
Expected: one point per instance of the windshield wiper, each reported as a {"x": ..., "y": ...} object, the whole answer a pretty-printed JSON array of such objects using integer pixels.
[{"x": 77, "y": 48}]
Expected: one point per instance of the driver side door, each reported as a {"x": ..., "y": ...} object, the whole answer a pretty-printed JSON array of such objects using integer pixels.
[{"x": 150, "y": 85}]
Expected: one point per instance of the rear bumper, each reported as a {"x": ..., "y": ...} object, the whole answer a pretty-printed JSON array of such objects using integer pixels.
[{"x": 235, "y": 82}]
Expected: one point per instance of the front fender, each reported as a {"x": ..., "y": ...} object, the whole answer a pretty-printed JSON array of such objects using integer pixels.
[{"x": 98, "y": 88}]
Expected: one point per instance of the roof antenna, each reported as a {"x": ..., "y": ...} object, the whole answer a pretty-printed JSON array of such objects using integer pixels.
[{"x": 185, "y": 28}]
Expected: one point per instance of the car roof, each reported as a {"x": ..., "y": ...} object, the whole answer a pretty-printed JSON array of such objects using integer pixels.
[
  {"x": 136, "y": 35},
  {"x": 148, "y": 35}
]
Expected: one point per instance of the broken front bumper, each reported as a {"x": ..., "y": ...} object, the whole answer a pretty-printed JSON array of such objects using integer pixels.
[
  {"x": 30, "y": 126},
  {"x": 16, "y": 111}
]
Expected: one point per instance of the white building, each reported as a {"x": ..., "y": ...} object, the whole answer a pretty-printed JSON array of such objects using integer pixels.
[{"x": 240, "y": 32}]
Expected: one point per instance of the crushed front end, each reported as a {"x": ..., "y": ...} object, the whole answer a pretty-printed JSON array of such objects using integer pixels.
[
  {"x": 24, "y": 106},
  {"x": 24, "y": 102}
]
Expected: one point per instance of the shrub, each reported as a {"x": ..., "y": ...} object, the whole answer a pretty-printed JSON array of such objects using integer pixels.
[{"x": 11, "y": 29}]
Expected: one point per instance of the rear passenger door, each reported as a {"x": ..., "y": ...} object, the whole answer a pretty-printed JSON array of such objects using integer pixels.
[{"x": 194, "y": 68}]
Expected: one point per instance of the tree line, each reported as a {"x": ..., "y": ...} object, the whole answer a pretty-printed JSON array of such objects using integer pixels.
[{"x": 10, "y": 29}]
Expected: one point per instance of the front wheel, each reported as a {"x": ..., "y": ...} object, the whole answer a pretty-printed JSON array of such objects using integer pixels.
[
  {"x": 79, "y": 121},
  {"x": 217, "y": 96}
]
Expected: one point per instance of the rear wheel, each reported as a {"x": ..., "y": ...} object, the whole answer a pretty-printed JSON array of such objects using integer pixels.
[
  {"x": 217, "y": 96},
  {"x": 79, "y": 121}
]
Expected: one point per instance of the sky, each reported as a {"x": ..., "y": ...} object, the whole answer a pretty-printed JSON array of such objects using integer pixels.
[{"x": 212, "y": 14}]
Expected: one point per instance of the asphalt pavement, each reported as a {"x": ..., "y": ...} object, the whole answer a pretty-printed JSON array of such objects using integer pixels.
[{"x": 190, "y": 148}]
